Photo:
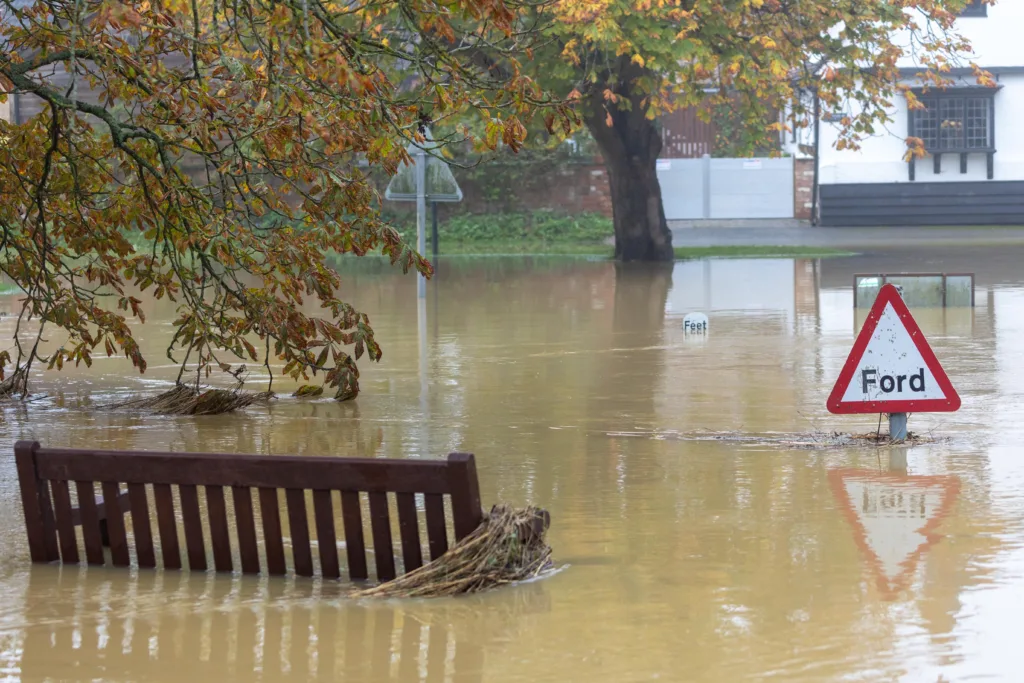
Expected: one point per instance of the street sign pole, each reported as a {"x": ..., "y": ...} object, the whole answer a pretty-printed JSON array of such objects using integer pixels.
[
  {"x": 897, "y": 426},
  {"x": 898, "y": 421},
  {"x": 421, "y": 216}
]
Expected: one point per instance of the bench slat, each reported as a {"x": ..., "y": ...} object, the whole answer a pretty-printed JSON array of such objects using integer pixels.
[
  {"x": 219, "y": 534},
  {"x": 230, "y": 469},
  {"x": 141, "y": 528},
  {"x": 115, "y": 524},
  {"x": 168, "y": 526},
  {"x": 380, "y": 524},
  {"x": 245, "y": 527},
  {"x": 409, "y": 531},
  {"x": 49, "y": 523},
  {"x": 190, "y": 515},
  {"x": 90, "y": 522},
  {"x": 437, "y": 530},
  {"x": 355, "y": 545},
  {"x": 270, "y": 510},
  {"x": 465, "y": 494},
  {"x": 65, "y": 523},
  {"x": 323, "y": 512},
  {"x": 32, "y": 489},
  {"x": 299, "y": 527}
]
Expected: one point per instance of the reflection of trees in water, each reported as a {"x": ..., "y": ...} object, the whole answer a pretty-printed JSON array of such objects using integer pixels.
[
  {"x": 171, "y": 626},
  {"x": 288, "y": 427}
]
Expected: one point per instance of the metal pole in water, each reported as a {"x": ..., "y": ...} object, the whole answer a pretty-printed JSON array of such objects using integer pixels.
[
  {"x": 898, "y": 421},
  {"x": 898, "y": 426},
  {"x": 433, "y": 229},
  {"x": 421, "y": 216}
]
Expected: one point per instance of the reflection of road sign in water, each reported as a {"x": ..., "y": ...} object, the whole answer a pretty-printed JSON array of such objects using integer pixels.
[
  {"x": 891, "y": 368},
  {"x": 894, "y": 519}
]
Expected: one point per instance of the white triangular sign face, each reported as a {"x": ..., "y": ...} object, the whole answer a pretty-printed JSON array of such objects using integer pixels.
[
  {"x": 891, "y": 368},
  {"x": 892, "y": 353},
  {"x": 894, "y": 519},
  {"x": 441, "y": 185}
]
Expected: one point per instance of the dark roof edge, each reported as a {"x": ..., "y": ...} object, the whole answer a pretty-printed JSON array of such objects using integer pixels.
[{"x": 910, "y": 72}]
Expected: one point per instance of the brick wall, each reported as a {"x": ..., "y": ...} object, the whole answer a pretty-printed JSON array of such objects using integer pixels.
[
  {"x": 569, "y": 188},
  {"x": 803, "y": 186}
]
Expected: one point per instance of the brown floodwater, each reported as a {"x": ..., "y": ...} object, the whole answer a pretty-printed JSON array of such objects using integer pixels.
[{"x": 698, "y": 537}]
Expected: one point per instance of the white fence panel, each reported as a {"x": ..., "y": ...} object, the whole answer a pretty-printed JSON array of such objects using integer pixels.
[
  {"x": 682, "y": 187},
  {"x": 726, "y": 188}
]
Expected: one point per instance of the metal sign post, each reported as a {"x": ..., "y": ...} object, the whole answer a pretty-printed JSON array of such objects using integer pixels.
[
  {"x": 898, "y": 421},
  {"x": 433, "y": 229}
]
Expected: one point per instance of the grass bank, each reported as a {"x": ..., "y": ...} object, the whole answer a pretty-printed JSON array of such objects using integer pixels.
[{"x": 544, "y": 233}]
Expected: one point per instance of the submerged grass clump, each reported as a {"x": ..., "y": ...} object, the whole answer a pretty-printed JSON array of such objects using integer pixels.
[
  {"x": 507, "y": 547},
  {"x": 187, "y": 400}
]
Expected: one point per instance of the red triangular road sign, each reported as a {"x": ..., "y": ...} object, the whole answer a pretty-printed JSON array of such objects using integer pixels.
[
  {"x": 894, "y": 519},
  {"x": 891, "y": 368}
]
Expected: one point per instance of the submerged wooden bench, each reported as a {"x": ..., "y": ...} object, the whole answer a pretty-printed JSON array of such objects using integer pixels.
[{"x": 46, "y": 474}]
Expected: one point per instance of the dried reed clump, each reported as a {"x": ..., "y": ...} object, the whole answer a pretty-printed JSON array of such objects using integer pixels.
[
  {"x": 508, "y": 546},
  {"x": 186, "y": 400}
]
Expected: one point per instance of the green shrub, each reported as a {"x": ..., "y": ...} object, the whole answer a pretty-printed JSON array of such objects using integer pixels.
[{"x": 537, "y": 226}]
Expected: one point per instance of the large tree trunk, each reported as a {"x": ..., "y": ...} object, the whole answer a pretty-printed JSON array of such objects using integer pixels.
[{"x": 630, "y": 146}]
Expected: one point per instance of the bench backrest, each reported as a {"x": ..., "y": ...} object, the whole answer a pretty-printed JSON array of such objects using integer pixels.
[{"x": 46, "y": 474}]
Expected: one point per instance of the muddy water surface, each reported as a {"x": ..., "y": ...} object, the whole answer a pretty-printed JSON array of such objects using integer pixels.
[{"x": 689, "y": 557}]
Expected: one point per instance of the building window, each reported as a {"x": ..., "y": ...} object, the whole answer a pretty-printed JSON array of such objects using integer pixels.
[
  {"x": 954, "y": 123},
  {"x": 975, "y": 8}
]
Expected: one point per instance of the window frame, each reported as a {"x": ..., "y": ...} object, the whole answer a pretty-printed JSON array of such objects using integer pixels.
[
  {"x": 962, "y": 94},
  {"x": 975, "y": 8}
]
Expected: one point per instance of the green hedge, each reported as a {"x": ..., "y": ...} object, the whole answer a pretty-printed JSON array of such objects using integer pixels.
[{"x": 537, "y": 226}]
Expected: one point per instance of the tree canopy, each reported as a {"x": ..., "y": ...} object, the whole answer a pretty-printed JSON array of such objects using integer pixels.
[
  {"x": 210, "y": 151},
  {"x": 627, "y": 61}
]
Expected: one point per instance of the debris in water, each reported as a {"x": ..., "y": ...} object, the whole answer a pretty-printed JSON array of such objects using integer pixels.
[
  {"x": 186, "y": 400},
  {"x": 813, "y": 440},
  {"x": 836, "y": 439},
  {"x": 507, "y": 547},
  {"x": 15, "y": 383}
]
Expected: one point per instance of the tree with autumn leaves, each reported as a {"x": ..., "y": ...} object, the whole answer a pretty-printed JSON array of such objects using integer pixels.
[
  {"x": 625, "y": 62},
  {"x": 208, "y": 152}
]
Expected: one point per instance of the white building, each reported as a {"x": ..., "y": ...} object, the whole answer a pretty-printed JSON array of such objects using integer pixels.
[{"x": 974, "y": 171}]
